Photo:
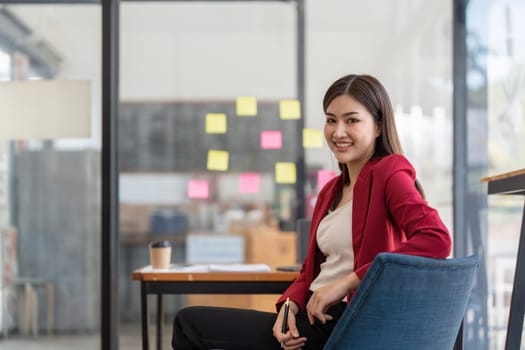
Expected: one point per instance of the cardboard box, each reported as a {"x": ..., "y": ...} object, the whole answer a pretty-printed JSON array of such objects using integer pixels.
[
  {"x": 273, "y": 248},
  {"x": 135, "y": 218}
]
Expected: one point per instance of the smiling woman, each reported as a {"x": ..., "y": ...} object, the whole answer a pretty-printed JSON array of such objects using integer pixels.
[{"x": 373, "y": 206}]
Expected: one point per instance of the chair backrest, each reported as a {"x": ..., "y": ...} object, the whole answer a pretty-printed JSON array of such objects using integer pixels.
[{"x": 407, "y": 302}]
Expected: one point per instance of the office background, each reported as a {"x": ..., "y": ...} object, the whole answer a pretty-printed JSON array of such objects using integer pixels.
[{"x": 208, "y": 54}]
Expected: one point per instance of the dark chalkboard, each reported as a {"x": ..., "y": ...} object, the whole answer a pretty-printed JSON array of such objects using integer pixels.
[{"x": 170, "y": 136}]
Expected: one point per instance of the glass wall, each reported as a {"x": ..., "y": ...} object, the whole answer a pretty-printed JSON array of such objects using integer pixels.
[
  {"x": 494, "y": 122},
  {"x": 414, "y": 66},
  {"x": 208, "y": 123},
  {"x": 505, "y": 98},
  {"x": 50, "y": 185}
]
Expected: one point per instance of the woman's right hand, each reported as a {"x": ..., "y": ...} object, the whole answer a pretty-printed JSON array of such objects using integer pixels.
[{"x": 289, "y": 340}]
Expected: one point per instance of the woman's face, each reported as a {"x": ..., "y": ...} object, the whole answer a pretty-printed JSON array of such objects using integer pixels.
[{"x": 350, "y": 131}]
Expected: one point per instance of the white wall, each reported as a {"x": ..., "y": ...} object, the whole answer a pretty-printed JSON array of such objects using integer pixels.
[
  {"x": 207, "y": 51},
  {"x": 221, "y": 50}
]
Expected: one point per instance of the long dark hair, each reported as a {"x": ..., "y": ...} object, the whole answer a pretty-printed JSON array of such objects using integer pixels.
[{"x": 368, "y": 91}]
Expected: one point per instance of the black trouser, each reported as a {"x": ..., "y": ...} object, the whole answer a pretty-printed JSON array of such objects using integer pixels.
[{"x": 206, "y": 328}]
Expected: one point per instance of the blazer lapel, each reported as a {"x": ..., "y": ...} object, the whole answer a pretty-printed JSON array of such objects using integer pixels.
[{"x": 361, "y": 203}]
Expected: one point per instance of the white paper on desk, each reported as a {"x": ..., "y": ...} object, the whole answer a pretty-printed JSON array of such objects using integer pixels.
[
  {"x": 180, "y": 268},
  {"x": 193, "y": 268},
  {"x": 149, "y": 268},
  {"x": 223, "y": 268},
  {"x": 239, "y": 268}
]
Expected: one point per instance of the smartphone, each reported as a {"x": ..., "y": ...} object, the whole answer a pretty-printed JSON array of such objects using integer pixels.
[{"x": 290, "y": 268}]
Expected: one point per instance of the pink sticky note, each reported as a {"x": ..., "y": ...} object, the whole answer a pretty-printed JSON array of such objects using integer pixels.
[
  {"x": 323, "y": 176},
  {"x": 271, "y": 139},
  {"x": 198, "y": 189},
  {"x": 249, "y": 183}
]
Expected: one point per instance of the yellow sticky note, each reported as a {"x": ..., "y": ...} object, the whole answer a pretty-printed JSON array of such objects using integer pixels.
[
  {"x": 290, "y": 109},
  {"x": 312, "y": 138},
  {"x": 285, "y": 173},
  {"x": 246, "y": 106},
  {"x": 218, "y": 160},
  {"x": 215, "y": 123}
]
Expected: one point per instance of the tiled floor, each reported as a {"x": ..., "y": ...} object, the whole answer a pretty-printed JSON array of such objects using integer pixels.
[{"x": 130, "y": 339}]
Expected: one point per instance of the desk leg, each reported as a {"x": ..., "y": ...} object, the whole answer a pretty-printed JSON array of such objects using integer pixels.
[
  {"x": 159, "y": 321},
  {"x": 517, "y": 303},
  {"x": 144, "y": 315}
]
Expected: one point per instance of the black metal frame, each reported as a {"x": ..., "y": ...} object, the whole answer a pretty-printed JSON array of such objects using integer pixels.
[
  {"x": 110, "y": 192},
  {"x": 301, "y": 78},
  {"x": 459, "y": 66},
  {"x": 510, "y": 185}
]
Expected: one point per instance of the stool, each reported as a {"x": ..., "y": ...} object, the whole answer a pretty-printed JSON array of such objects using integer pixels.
[{"x": 28, "y": 316}]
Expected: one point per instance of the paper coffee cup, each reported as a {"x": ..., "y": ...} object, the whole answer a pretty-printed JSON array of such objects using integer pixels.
[{"x": 160, "y": 254}]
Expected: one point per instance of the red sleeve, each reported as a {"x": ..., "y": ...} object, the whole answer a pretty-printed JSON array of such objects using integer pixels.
[
  {"x": 425, "y": 232},
  {"x": 411, "y": 226}
]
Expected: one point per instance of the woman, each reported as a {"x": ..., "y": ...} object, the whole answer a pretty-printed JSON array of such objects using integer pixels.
[{"x": 375, "y": 205}]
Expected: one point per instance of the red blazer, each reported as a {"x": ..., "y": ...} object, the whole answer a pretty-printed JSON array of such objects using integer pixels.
[{"x": 388, "y": 215}]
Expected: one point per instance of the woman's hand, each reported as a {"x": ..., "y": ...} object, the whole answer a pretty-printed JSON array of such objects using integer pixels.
[
  {"x": 329, "y": 295},
  {"x": 289, "y": 340}
]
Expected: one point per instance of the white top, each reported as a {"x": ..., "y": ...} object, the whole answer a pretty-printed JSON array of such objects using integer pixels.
[{"x": 334, "y": 238}]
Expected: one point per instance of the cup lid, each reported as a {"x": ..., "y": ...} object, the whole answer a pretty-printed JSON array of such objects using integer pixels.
[{"x": 160, "y": 244}]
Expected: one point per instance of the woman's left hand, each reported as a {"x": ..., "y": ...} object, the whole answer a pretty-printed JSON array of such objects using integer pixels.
[{"x": 329, "y": 295}]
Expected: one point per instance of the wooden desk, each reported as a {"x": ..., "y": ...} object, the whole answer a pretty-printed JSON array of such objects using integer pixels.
[
  {"x": 513, "y": 183},
  {"x": 159, "y": 283}
]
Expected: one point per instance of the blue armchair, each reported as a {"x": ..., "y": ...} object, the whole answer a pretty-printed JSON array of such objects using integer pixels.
[{"x": 407, "y": 303}]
